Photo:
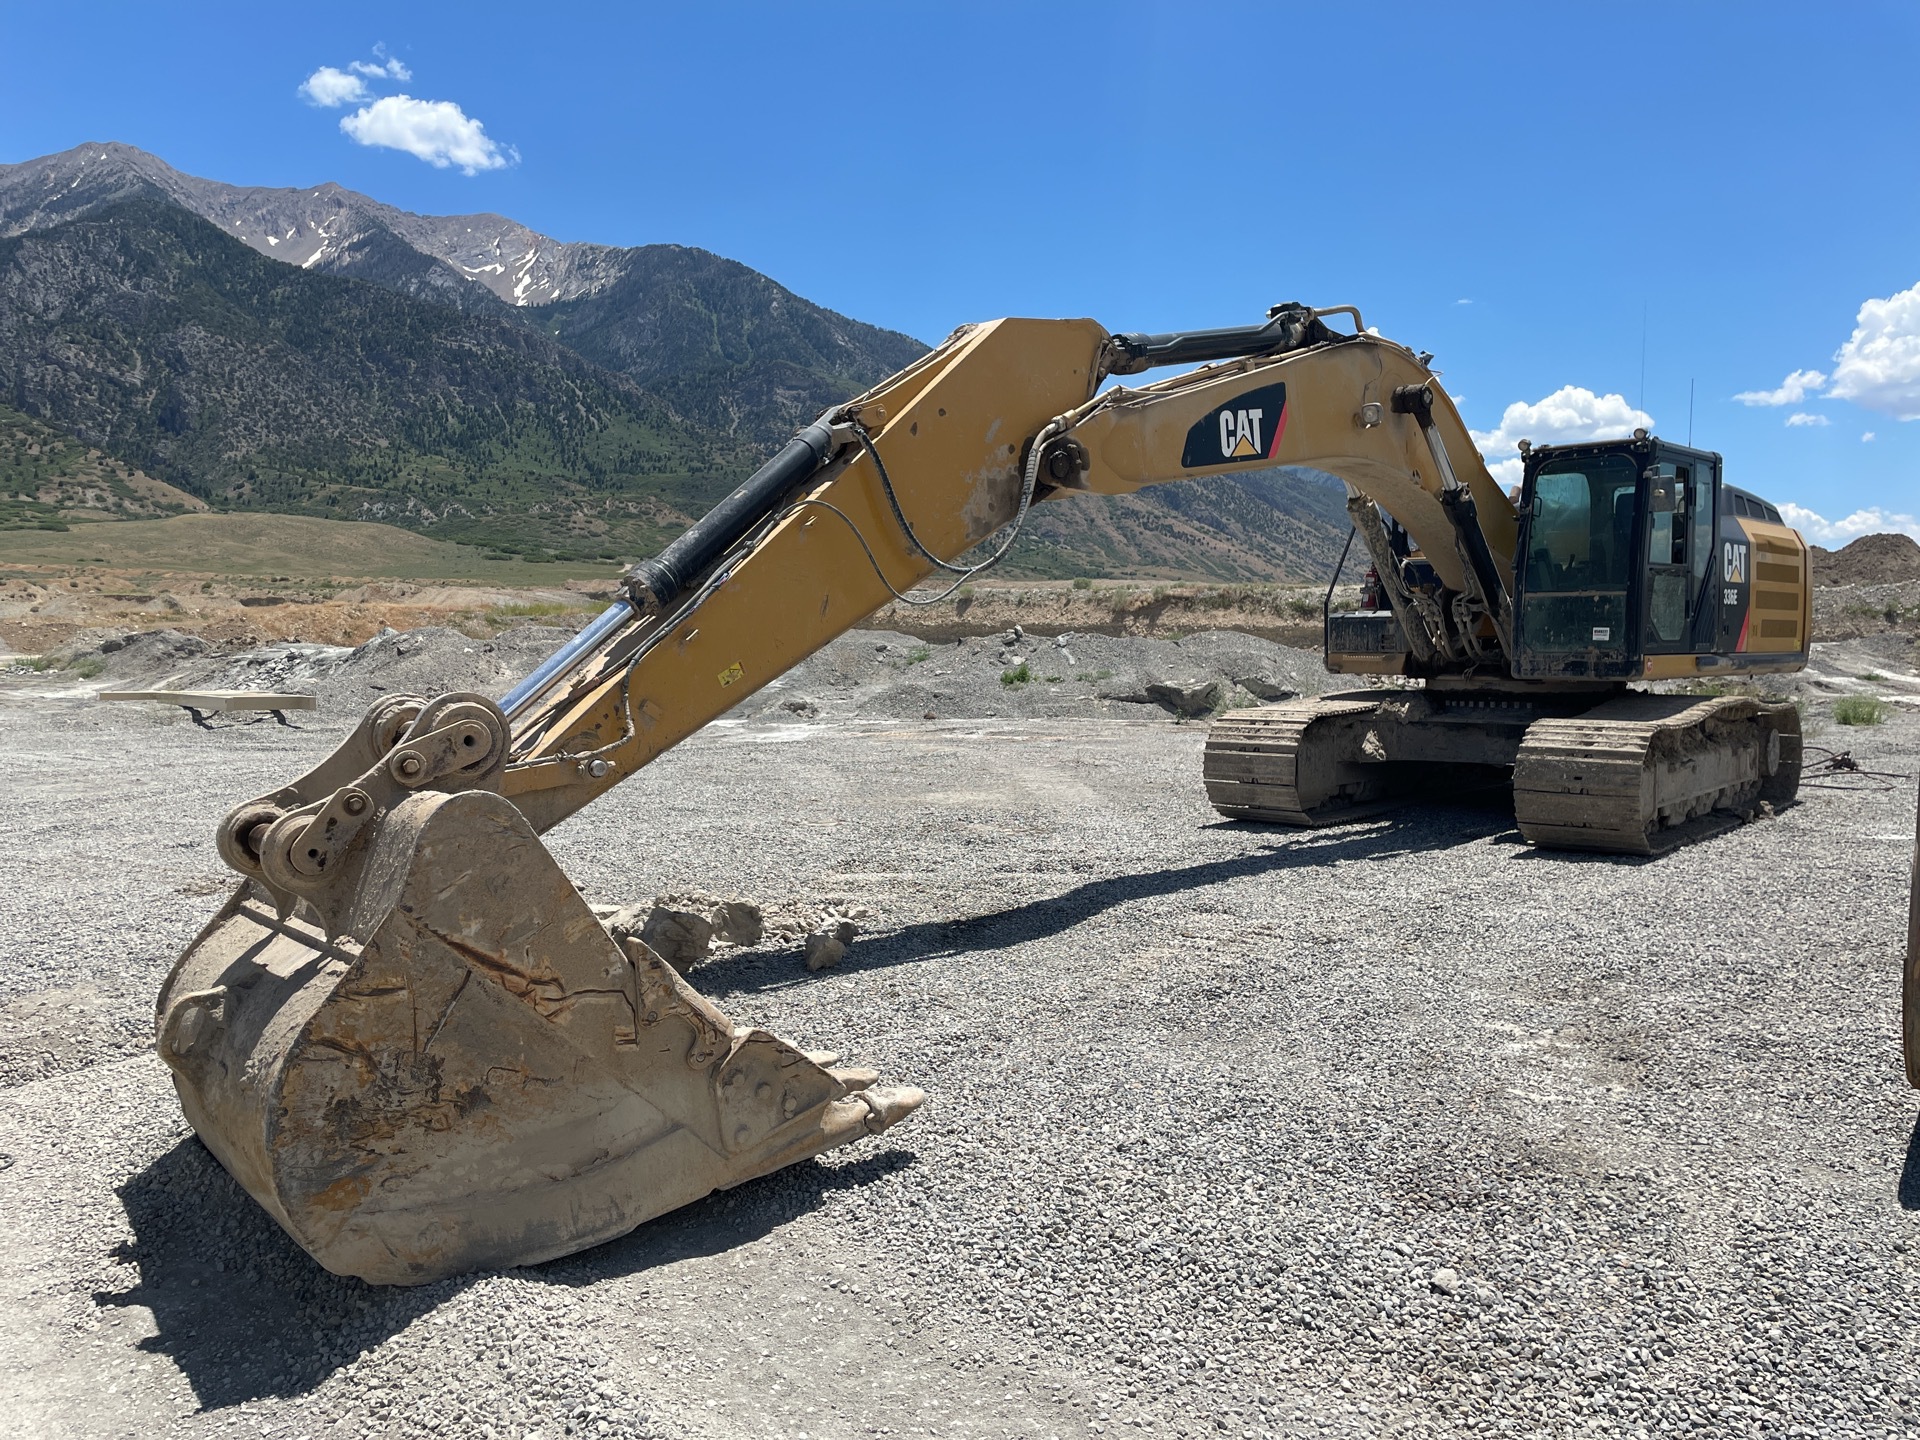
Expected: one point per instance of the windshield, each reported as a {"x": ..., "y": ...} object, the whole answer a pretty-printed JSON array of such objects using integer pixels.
[{"x": 1581, "y": 536}]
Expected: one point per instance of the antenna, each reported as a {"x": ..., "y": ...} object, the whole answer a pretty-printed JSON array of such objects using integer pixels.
[
  {"x": 1689, "y": 414},
  {"x": 1641, "y": 403}
]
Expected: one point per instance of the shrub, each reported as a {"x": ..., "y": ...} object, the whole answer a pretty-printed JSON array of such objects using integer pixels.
[
  {"x": 1859, "y": 710},
  {"x": 1081, "y": 582},
  {"x": 923, "y": 652},
  {"x": 1018, "y": 675}
]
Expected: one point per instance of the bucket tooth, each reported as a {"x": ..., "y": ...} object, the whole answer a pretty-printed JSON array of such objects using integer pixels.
[{"x": 477, "y": 1075}]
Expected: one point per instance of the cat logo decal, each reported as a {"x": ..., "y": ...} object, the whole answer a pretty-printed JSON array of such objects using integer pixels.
[
  {"x": 1246, "y": 429},
  {"x": 1733, "y": 564}
]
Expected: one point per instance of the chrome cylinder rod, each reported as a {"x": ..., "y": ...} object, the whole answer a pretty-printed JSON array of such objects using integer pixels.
[{"x": 567, "y": 658}]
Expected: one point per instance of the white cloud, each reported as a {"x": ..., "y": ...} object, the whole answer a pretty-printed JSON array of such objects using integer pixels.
[
  {"x": 1835, "y": 533},
  {"x": 1795, "y": 388},
  {"x": 382, "y": 67},
  {"x": 436, "y": 131},
  {"x": 1570, "y": 414},
  {"x": 1463, "y": 302},
  {"x": 1866, "y": 438},
  {"x": 1879, "y": 366},
  {"x": 1800, "y": 417},
  {"x": 329, "y": 87}
]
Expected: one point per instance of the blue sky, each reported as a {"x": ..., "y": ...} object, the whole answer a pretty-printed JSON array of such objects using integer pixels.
[{"x": 1582, "y": 211}]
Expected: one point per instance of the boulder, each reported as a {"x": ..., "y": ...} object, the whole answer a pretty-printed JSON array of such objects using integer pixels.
[
  {"x": 1263, "y": 688},
  {"x": 682, "y": 938},
  {"x": 738, "y": 923},
  {"x": 827, "y": 946},
  {"x": 1192, "y": 699}
]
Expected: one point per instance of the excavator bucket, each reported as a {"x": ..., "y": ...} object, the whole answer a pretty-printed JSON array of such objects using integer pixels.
[{"x": 455, "y": 1066}]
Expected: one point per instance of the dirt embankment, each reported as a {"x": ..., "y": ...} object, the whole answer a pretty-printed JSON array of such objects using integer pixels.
[
  {"x": 1286, "y": 615},
  {"x": 1871, "y": 587},
  {"x": 1870, "y": 560},
  {"x": 43, "y": 613}
]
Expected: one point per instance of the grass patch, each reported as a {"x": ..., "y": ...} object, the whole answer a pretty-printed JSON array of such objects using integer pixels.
[
  {"x": 245, "y": 547},
  {"x": 534, "y": 610},
  {"x": 919, "y": 654},
  {"x": 1859, "y": 710},
  {"x": 1016, "y": 675},
  {"x": 87, "y": 667}
]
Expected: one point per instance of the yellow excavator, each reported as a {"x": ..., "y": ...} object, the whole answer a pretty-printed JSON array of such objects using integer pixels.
[{"x": 410, "y": 1039}]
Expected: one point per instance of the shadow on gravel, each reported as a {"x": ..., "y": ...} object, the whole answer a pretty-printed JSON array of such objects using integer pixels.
[
  {"x": 759, "y": 971},
  {"x": 1909, "y": 1191},
  {"x": 236, "y": 1304},
  {"x": 247, "y": 1315},
  {"x": 724, "y": 1220}
]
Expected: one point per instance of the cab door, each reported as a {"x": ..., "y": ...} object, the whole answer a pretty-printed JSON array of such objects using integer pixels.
[
  {"x": 1672, "y": 592},
  {"x": 1677, "y": 617}
]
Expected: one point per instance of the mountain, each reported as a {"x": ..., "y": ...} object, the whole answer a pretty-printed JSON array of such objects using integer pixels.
[
  {"x": 315, "y": 351},
  {"x": 1285, "y": 524},
  {"x": 737, "y": 351},
  {"x": 161, "y": 341}
]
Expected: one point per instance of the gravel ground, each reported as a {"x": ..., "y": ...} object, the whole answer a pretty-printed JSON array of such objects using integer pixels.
[{"x": 1395, "y": 1128}]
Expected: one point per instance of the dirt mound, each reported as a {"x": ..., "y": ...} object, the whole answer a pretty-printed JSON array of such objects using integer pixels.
[
  {"x": 865, "y": 674},
  {"x": 887, "y": 675},
  {"x": 1870, "y": 560},
  {"x": 431, "y": 661}
]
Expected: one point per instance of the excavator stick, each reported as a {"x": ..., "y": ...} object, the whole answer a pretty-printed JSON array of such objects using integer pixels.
[{"x": 441, "y": 1061}]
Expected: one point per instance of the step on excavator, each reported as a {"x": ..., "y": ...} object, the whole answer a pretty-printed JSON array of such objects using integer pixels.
[{"x": 409, "y": 1038}]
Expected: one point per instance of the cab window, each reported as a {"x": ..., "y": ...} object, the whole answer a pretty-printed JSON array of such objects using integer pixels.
[{"x": 1580, "y": 536}]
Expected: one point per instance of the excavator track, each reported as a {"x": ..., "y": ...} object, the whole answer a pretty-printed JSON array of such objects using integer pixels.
[
  {"x": 1635, "y": 774},
  {"x": 1298, "y": 763},
  {"x": 1641, "y": 774}
]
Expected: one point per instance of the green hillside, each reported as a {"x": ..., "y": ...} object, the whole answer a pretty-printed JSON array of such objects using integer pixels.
[
  {"x": 152, "y": 361},
  {"x": 172, "y": 347}
]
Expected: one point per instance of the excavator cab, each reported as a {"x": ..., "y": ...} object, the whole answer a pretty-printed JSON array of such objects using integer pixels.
[{"x": 1622, "y": 561}]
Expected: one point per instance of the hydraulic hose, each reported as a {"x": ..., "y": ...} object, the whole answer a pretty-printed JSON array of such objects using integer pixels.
[{"x": 655, "y": 584}]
